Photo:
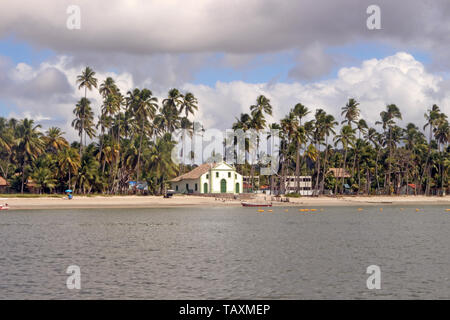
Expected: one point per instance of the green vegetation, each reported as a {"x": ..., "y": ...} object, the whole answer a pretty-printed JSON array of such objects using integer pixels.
[{"x": 132, "y": 140}]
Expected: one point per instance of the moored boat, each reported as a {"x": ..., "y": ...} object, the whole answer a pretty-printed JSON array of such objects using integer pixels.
[{"x": 249, "y": 204}]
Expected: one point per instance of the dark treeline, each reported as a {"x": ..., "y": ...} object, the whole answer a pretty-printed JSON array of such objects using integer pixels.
[{"x": 132, "y": 140}]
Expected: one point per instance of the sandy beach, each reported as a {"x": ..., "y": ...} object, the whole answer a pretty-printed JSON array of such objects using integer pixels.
[{"x": 189, "y": 201}]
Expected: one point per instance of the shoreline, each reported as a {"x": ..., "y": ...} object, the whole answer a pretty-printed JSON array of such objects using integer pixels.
[{"x": 94, "y": 202}]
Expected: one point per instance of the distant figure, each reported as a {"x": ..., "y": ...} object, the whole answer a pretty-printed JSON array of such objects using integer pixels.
[{"x": 69, "y": 196}]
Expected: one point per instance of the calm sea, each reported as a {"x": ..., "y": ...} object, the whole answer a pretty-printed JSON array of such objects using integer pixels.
[{"x": 226, "y": 253}]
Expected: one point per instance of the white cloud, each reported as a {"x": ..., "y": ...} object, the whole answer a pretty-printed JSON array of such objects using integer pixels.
[{"x": 398, "y": 79}]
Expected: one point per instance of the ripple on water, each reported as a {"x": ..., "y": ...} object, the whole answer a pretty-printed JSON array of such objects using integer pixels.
[{"x": 225, "y": 253}]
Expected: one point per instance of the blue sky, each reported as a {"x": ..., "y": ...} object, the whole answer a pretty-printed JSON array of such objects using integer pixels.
[
  {"x": 21, "y": 51},
  {"x": 261, "y": 68}
]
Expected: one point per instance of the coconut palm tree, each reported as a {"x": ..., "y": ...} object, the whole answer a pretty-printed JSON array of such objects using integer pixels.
[
  {"x": 87, "y": 81},
  {"x": 262, "y": 106},
  {"x": 388, "y": 117},
  {"x": 328, "y": 125},
  {"x": 442, "y": 136},
  {"x": 84, "y": 121},
  {"x": 54, "y": 139},
  {"x": 318, "y": 137},
  {"x": 69, "y": 161},
  {"x": 188, "y": 105},
  {"x": 144, "y": 106},
  {"x": 350, "y": 112},
  {"x": 300, "y": 111},
  {"x": 44, "y": 178},
  {"x": 29, "y": 144},
  {"x": 346, "y": 138},
  {"x": 108, "y": 88}
]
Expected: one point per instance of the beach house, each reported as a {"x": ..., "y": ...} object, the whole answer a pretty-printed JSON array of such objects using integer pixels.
[
  {"x": 304, "y": 185},
  {"x": 209, "y": 178},
  {"x": 4, "y": 185}
]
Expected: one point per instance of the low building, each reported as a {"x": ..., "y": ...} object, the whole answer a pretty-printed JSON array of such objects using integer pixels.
[
  {"x": 209, "y": 178},
  {"x": 4, "y": 185},
  {"x": 248, "y": 185},
  {"x": 339, "y": 173},
  {"x": 305, "y": 185}
]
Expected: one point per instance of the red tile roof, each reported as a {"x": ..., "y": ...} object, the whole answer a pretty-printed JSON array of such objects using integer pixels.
[
  {"x": 195, "y": 173},
  {"x": 3, "y": 182}
]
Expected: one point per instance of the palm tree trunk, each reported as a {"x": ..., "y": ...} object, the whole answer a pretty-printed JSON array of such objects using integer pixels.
[
  {"x": 23, "y": 176},
  {"x": 343, "y": 171},
  {"x": 316, "y": 187},
  {"x": 390, "y": 159},
  {"x": 376, "y": 171},
  {"x": 297, "y": 168},
  {"x": 140, "y": 148},
  {"x": 322, "y": 184}
]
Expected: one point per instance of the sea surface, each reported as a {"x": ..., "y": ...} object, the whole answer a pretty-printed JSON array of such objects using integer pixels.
[{"x": 226, "y": 253}]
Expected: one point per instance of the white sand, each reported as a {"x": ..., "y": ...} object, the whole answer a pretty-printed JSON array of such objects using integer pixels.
[{"x": 188, "y": 201}]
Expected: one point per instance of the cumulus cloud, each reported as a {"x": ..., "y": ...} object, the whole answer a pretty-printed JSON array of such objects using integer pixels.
[
  {"x": 48, "y": 93},
  {"x": 399, "y": 79}
]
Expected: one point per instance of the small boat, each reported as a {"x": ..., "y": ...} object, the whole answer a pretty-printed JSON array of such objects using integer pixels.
[
  {"x": 4, "y": 208},
  {"x": 249, "y": 204}
]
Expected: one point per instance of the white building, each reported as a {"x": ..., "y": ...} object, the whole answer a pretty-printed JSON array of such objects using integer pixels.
[
  {"x": 209, "y": 178},
  {"x": 305, "y": 187}
]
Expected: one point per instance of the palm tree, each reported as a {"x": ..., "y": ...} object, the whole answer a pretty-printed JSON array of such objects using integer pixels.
[
  {"x": 68, "y": 159},
  {"x": 144, "y": 106},
  {"x": 87, "y": 81},
  {"x": 442, "y": 136},
  {"x": 29, "y": 144},
  {"x": 318, "y": 136},
  {"x": 243, "y": 123},
  {"x": 6, "y": 137},
  {"x": 300, "y": 111},
  {"x": 376, "y": 139},
  {"x": 262, "y": 106},
  {"x": 43, "y": 178},
  {"x": 188, "y": 105},
  {"x": 108, "y": 87},
  {"x": 432, "y": 118},
  {"x": 84, "y": 121},
  {"x": 328, "y": 125},
  {"x": 346, "y": 138},
  {"x": 54, "y": 139},
  {"x": 87, "y": 174},
  {"x": 7, "y": 141},
  {"x": 388, "y": 121},
  {"x": 186, "y": 126},
  {"x": 350, "y": 112},
  {"x": 161, "y": 162},
  {"x": 258, "y": 122}
]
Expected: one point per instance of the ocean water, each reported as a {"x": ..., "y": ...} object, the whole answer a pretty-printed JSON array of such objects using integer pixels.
[{"x": 226, "y": 253}]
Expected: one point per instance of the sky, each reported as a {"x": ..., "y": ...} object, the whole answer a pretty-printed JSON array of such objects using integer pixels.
[{"x": 227, "y": 52}]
